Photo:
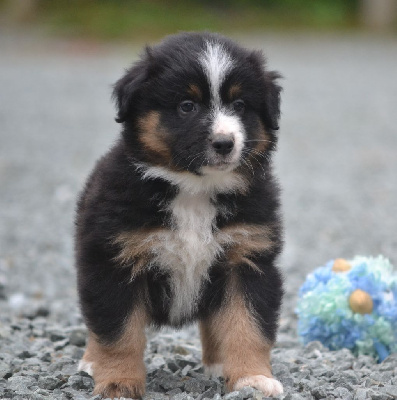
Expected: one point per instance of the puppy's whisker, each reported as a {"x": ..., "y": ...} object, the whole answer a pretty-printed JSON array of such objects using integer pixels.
[
  {"x": 263, "y": 156},
  {"x": 257, "y": 152},
  {"x": 194, "y": 158},
  {"x": 248, "y": 165},
  {"x": 259, "y": 163},
  {"x": 257, "y": 140},
  {"x": 251, "y": 154}
]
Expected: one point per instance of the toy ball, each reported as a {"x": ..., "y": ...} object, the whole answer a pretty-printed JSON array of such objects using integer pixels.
[{"x": 351, "y": 304}]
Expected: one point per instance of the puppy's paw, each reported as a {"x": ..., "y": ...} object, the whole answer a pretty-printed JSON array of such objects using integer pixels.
[
  {"x": 123, "y": 388},
  {"x": 86, "y": 367},
  {"x": 213, "y": 370},
  {"x": 269, "y": 386}
]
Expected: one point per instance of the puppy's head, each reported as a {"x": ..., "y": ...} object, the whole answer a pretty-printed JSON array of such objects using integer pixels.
[{"x": 198, "y": 102}]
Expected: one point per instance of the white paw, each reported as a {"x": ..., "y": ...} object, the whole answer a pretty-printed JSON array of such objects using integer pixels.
[
  {"x": 213, "y": 370},
  {"x": 86, "y": 367},
  {"x": 269, "y": 386}
]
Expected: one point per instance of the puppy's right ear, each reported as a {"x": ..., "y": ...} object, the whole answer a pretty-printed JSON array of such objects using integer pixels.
[{"x": 127, "y": 89}]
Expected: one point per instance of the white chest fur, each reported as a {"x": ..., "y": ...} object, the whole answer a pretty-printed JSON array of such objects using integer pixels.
[
  {"x": 191, "y": 246},
  {"x": 189, "y": 249}
]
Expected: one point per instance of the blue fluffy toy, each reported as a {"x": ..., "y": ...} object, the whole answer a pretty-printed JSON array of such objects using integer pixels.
[{"x": 351, "y": 304}]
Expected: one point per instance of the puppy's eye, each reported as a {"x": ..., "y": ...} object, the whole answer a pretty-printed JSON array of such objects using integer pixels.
[
  {"x": 238, "y": 106},
  {"x": 187, "y": 106}
]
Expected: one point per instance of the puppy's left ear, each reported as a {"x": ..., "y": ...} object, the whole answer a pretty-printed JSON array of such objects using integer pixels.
[
  {"x": 270, "y": 91},
  {"x": 271, "y": 106},
  {"x": 127, "y": 90}
]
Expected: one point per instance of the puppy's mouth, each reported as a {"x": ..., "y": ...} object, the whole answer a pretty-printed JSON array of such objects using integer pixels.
[{"x": 221, "y": 163}]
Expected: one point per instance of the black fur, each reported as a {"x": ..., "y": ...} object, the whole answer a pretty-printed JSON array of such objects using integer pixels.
[{"x": 117, "y": 199}]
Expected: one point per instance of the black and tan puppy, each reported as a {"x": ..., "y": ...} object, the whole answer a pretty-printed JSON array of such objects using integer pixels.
[{"x": 179, "y": 221}]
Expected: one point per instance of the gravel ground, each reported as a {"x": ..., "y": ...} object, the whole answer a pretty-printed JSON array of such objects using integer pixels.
[{"x": 336, "y": 163}]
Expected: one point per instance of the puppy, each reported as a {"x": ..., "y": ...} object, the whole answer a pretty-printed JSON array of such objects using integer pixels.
[{"x": 179, "y": 221}]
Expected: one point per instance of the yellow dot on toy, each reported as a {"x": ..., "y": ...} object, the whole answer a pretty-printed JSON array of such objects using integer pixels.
[
  {"x": 341, "y": 265},
  {"x": 361, "y": 302}
]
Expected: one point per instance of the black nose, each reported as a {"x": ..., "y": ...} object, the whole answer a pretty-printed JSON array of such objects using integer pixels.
[{"x": 223, "y": 145}]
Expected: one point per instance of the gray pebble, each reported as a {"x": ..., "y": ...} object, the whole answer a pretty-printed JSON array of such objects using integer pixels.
[
  {"x": 233, "y": 396},
  {"x": 21, "y": 383},
  {"x": 210, "y": 383},
  {"x": 56, "y": 334},
  {"x": 154, "y": 396},
  {"x": 81, "y": 382},
  {"x": 174, "y": 392},
  {"x": 25, "y": 354},
  {"x": 381, "y": 376},
  {"x": 77, "y": 337},
  {"x": 74, "y": 394},
  {"x": 193, "y": 385},
  {"x": 74, "y": 352},
  {"x": 293, "y": 396},
  {"x": 343, "y": 393},
  {"x": 186, "y": 369},
  {"x": 50, "y": 382},
  {"x": 182, "y": 396},
  {"x": 209, "y": 393},
  {"x": 391, "y": 390},
  {"x": 247, "y": 392},
  {"x": 172, "y": 365},
  {"x": 60, "y": 344},
  {"x": 360, "y": 394},
  {"x": 38, "y": 396},
  {"x": 172, "y": 384},
  {"x": 378, "y": 395},
  {"x": 319, "y": 392},
  {"x": 5, "y": 370}
]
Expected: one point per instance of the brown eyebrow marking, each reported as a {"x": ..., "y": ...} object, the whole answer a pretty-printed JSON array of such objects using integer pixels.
[
  {"x": 234, "y": 91},
  {"x": 195, "y": 91}
]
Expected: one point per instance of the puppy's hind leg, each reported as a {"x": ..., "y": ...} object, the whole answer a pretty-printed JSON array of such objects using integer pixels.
[{"x": 118, "y": 368}]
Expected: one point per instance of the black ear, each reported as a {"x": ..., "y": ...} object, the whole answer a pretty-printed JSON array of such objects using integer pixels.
[
  {"x": 270, "y": 91},
  {"x": 126, "y": 90},
  {"x": 272, "y": 100}
]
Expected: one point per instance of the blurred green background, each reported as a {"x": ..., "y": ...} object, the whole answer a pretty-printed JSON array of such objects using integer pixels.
[{"x": 123, "y": 20}]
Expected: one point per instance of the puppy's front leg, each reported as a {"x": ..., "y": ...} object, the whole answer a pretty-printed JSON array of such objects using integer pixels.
[
  {"x": 243, "y": 347},
  {"x": 118, "y": 368}
]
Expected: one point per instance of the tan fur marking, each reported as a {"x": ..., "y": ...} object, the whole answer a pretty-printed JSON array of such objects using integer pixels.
[
  {"x": 195, "y": 92},
  {"x": 118, "y": 369},
  {"x": 264, "y": 140},
  {"x": 137, "y": 247},
  {"x": 153, "y": 137},
  {"x": 234, "y": 92},
  {"x": 233, "y": 330},
  {"x": 210, "y": 347},
  {"x": 244, "y": 240}
]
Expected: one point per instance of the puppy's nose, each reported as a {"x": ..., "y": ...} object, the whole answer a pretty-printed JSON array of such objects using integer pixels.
[{"x": 223, "y": 144}]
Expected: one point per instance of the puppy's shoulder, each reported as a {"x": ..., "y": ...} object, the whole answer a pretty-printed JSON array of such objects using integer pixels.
[{"x": 108, "y": 173}]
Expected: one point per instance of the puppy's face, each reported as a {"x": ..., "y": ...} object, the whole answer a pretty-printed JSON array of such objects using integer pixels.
[{"x": 199, "y": 103}]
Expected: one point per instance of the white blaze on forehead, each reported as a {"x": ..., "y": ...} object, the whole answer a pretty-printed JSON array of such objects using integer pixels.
[{"x": 216, "y": 62}]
